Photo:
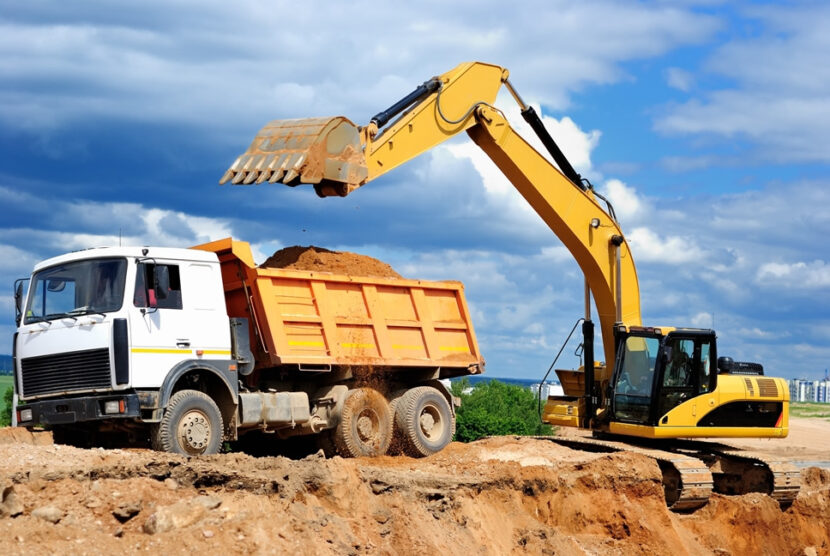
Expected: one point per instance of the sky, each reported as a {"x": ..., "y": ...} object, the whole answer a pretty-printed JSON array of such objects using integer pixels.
[{"x": 702, "y": 121}]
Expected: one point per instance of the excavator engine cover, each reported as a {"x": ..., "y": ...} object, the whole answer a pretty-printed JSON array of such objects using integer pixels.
[{"x": 325, "y": 152}]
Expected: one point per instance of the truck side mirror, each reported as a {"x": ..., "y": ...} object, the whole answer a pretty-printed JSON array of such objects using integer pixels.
[
  {"x": 18, "y": 302},
  {"x": 161, "y": 281}
]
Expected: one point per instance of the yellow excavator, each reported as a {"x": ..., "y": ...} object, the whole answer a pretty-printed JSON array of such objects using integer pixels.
[{"x": 660, "y": 385}]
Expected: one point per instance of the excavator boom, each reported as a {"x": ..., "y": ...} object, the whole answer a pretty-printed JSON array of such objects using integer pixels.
[{"x": 337, "y": 157}]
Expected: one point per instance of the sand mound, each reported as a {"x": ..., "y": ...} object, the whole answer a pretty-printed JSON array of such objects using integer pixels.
[{"x": 323, "y": 260}]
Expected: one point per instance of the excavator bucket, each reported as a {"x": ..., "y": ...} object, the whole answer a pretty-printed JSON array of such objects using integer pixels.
[{"x": 325, "y": 152}]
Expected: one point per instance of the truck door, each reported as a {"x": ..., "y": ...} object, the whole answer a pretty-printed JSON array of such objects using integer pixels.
[
  {"x": 158, "y": 324},
  {"x": 185, "y": 319}
]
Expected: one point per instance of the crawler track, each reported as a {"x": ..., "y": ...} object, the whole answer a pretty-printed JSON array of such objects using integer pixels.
[
  {"x": 687, "y": 481},
  {"x": 738, "y": 471},
  {"x": 692, "y": 470}
]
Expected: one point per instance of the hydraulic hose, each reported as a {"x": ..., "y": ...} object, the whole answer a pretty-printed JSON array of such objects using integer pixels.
[{"x": 555, "y": 359}]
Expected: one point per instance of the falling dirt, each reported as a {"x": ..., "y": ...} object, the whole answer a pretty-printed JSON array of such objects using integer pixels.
[
  {"x": 323, "y": 260},
  {"x": 496, "y": 496}
]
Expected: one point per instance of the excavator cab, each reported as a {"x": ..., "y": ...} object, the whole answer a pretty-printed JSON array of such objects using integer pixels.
[{"x": 655, "y": 374}]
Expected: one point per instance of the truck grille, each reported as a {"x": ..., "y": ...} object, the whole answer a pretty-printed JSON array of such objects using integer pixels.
[{"x": 66, "y": 372}]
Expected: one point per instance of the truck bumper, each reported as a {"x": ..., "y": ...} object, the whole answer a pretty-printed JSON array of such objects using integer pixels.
[{"x": 64, "y": 411}]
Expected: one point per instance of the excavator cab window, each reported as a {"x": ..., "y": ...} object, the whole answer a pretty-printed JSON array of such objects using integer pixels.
[
  {"x": 687, "y": 370},
  {"x": 635, "y": 378}
]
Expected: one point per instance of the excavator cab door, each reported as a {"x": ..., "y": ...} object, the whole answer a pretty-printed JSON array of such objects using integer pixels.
[
  {"x": 687, "y": 369},
  {"x": 634, "y": 378}
]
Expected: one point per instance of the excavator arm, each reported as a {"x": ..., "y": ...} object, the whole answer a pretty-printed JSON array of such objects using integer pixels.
[{"x": 338, "y": 157}]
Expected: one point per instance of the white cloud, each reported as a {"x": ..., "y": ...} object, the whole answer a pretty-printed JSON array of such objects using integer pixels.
[
  {"x": 702, "y": 320},
  {"x": 778, "y": 101},
  {"x": 177, "y": 62},
  {"x": 679, "y": 79},
  {"x": 648, "y": 246},
  {"x": 629, "y": 207},
  {"x": 799, "y": 275}
]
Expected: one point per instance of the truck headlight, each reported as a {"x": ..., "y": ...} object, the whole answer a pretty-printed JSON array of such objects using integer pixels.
[
  {"x": 24, "y": 415},
  {"x": 114, "y": 406}
]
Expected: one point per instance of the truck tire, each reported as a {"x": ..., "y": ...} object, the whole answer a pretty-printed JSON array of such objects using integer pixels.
[
  {"x": 365, "y": 427},
  {"x": 424, "y": 421},
  {"x": 191, "y": 425}
]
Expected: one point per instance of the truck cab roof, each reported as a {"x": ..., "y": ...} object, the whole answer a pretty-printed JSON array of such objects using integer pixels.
[{"x": 176, "y": 253}]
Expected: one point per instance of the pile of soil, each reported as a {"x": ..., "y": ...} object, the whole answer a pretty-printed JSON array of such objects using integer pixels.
[
  {"x": 323, "y": 260},
  {"x": 497, "y": 496}
]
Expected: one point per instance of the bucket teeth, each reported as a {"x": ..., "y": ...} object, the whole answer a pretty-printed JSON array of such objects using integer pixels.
[
  {"x": 252, "y": 175},
  {"x": 263, "y": 176},
  {"x": 290, "y": 175},
  {"x": 280, "y": 170},
  {"x": 227, "y": 175},
  {"x": 312, "y": 151}
]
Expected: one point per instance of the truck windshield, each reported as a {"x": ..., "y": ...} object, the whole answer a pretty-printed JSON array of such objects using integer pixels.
[{"x": 77, "y": 288}]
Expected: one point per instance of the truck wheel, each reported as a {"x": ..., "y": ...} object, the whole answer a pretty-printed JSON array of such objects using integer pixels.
[
  {"x": 424, "y": 421},
  {"x": 365, "y": 427},
  {"x": 192, "y": 425},
  {"x": 395, "y": 448}
]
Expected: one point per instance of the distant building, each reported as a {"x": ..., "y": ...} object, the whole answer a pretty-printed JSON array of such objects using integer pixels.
[
  {"x": 809, "y": 390},
  {"x": 547, "y": 389}
]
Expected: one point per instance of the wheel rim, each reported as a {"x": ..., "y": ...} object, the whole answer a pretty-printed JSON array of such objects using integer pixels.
[
  {"x": 431, "y": 423},
  {"x": 194, "y": 432},
  {"x": 368, "y": 426}
]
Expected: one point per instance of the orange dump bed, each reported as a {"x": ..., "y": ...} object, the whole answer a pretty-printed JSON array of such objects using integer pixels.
[{"x": 319, "y": 318}]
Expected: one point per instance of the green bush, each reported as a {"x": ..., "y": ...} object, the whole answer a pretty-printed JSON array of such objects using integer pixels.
[
  {"x": 495, "y": 409},
  {"x": 6, "y": 415}
]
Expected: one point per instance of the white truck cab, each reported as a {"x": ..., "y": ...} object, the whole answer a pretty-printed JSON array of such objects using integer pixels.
[{"x": 109, "y": 332}]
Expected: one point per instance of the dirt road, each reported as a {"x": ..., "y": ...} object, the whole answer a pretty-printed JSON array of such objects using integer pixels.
[{"x": 496, "y": 496}]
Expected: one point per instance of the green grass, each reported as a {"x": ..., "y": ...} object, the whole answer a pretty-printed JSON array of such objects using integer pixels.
[
  {"x": 5, "y": 382},
  {"x": 811, "y": 410}
]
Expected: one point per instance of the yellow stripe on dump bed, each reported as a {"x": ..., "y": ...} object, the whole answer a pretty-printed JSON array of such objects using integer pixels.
[{"x": 160, "y": 350}]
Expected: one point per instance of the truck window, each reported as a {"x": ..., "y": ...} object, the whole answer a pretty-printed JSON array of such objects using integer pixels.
[
  {"x": 77, "y": 288},
  {"x": 144, "y": 283}
]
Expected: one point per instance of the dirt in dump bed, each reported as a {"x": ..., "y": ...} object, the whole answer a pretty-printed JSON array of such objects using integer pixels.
[{"x": 324, "y": 260}]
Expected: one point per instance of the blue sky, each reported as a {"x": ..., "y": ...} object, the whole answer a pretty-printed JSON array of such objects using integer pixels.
[{"x": 705, "y": 122}]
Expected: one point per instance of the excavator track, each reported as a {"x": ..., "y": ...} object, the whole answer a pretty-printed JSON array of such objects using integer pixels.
[
  {"x": 693, "y": 469},
  {"x": 687, "y": 480},
  {"x": 739, "y": 471}
]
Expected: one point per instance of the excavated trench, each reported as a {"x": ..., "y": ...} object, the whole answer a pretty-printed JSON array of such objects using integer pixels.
[{"x": 496, "y": 496}]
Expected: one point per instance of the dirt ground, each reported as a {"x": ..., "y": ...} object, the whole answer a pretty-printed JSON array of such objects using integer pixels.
[
  {"x": 808, "y": 441},
  {"x": 496, "y": 496}
]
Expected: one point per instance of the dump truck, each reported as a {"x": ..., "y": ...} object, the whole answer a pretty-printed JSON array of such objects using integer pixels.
[
  {"x": 658, "y": 385},
  {"x": 188, "y": 348}
]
